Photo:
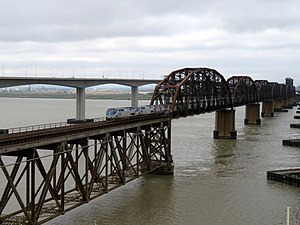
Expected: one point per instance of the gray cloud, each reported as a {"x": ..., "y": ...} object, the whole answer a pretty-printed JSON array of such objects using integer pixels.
[
  {"x": 77, "y": 20},
  {"x": 151, "y": 37}
]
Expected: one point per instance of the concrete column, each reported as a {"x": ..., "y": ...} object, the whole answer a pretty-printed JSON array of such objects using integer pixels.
[
  {"x": 285, "y": 102},
  {"x": 134, "y": 96},
  {"x": 267, "y": 109},
  {"x": 252, "y": 114},
  {"x": 291, "y": 101},
  {"x": 277, "y": 105},
  {"x": 80, "y": 103},
  {"x": 225, "y": 124}
]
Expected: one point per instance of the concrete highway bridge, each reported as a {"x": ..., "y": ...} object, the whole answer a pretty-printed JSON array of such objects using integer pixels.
[
  {"x": 80, "y": 84},
  {"x": 52, "y": 168}
]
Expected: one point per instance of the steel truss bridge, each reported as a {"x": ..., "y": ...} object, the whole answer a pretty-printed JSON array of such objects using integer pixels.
[
  {"x": 53, "y": 168},
  {"x": 192, "y": 91}
]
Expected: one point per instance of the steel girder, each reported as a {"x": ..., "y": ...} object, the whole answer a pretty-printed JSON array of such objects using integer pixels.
[
  {"x": 276, "y": 90},
  {"x": 290, "y": 88},
  {"x": 283, "y": 90},
  {"x": 244, "y": 90},
  {"x": 273, "y": 90},
  {"x": 264, "y": 90},
  {"x": 45, "y": 182},
  {"x": 191, "y": 91},
  {"x": 290, "y": 91}
]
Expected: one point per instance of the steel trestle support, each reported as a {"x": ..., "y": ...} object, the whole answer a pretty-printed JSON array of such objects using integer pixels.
[{"x": 45, "y": 182}]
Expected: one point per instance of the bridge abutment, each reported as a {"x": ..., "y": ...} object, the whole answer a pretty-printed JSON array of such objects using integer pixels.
[
  {"x": 267, "y": 109},
  {"x": 252, "y": 114},
  {"x": 225, "y": 124}
]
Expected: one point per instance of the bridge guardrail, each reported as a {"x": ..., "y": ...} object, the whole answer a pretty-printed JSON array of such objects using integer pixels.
[
  {"x": 37, "y": 127},
  {"x": 46, "y": 126},
  {"x": 99, "y": 119}
]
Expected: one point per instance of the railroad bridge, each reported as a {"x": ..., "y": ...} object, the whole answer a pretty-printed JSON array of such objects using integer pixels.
[{"x": 50, "y": 169}]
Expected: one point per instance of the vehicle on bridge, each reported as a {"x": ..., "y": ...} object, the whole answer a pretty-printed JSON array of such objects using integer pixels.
[{"x": 123, "y": 112}]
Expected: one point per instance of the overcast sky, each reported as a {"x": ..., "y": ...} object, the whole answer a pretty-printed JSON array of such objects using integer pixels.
[{"x": 150, "y": 38}]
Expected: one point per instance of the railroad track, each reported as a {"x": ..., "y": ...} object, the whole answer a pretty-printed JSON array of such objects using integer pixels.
[{"x": 22, "y": 140}]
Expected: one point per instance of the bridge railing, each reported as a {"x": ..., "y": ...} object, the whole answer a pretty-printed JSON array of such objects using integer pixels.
[
  {"x": 37, "y": 127},
  {"x": 49, "y": 125},
  {"x": 99, "y": 119}
]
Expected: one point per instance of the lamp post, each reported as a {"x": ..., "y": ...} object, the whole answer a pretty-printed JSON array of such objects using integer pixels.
[{"x": 30, "y": 69}]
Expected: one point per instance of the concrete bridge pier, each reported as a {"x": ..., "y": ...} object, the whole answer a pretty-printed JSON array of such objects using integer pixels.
[
  {"x": 277, "y": 105},
  {"x": 252, "y": 114},
  {"x": 80, "y": 103},
  {"x": 225, "y": 124},
  {"x": 292, "y": 101},
  {"x": 287, "y": 103},
  {"x": 134, "y": 96},
  {"x": 267, "y": 109},
  {"x": 284, "y": 103}
]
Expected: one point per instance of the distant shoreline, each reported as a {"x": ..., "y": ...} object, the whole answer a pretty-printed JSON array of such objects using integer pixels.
[{"x": 63, "y": 95}]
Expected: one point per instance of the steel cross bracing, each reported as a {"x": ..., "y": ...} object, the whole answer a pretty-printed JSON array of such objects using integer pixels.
[
  {"x": 191, "y": 91},
  {"x": 43, "y": 182}
]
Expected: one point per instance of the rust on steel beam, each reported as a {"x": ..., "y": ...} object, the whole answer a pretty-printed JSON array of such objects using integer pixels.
[
  {"x": 192, "y": 91},
  {"x": 14, "y": 142},
  {"x": 290, "y": 89},
  {"x": 264, "y": 90},
  {"x": 244, "y": 91},
  {"x": 61, "y": 176},
  {"x": 275, "y": 90}
]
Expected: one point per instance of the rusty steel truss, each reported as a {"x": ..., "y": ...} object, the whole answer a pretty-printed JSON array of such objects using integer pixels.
[
  {"x": 243, "y": 89},
  {"x": 41, "y": 183},
  {"x": 191, "y": 91}
]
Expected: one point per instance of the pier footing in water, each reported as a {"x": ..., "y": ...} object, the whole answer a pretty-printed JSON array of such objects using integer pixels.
[
  {"x": 291, "y": 142},
  {"x": 167, "y": 169},
  {"x": 289, "y": 176},
  {"x": 295, "y": 125}
]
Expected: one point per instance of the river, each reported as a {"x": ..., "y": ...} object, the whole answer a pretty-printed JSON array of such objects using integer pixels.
[{"x": 215, "y": 182}]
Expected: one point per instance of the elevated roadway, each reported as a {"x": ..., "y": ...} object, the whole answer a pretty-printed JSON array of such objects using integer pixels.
[{"x": 80, "y": 84}]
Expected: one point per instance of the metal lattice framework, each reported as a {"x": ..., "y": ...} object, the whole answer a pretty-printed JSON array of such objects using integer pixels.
[
  {"x": 244, "y": 90},
  {"x": 192, "y": 91},
  {"x": 276, "y": 90},
  {"x": 264, "y": 90},
  {"x": 283, "y": 90},
  {"x": 44, "y": 182},
  {"x": 290, "y": 91}
]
